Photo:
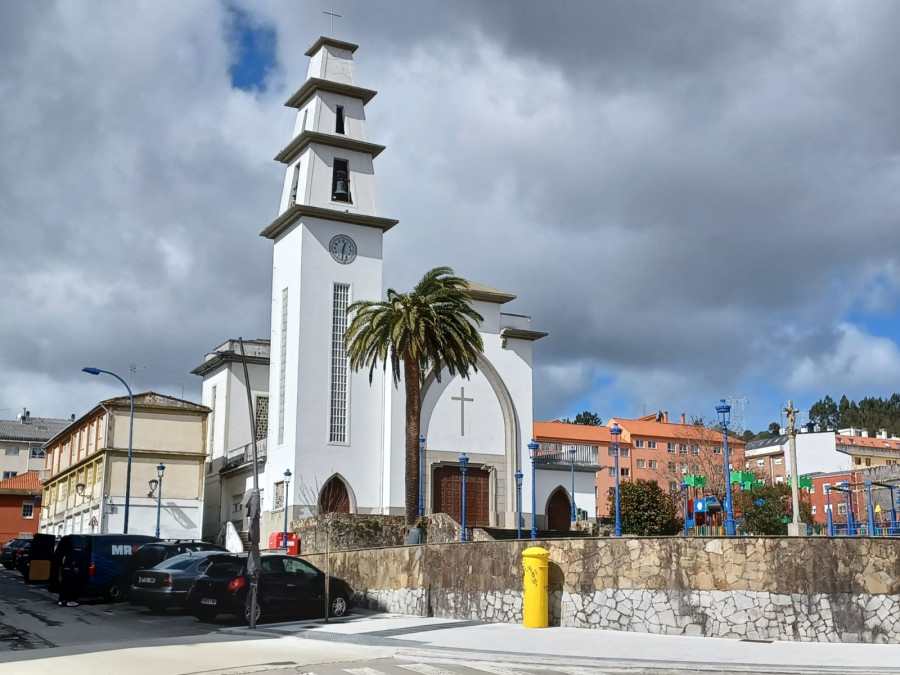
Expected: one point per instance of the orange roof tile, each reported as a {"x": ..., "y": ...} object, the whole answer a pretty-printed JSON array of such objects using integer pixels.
[
  {"x": 652, "y": 428},
  {"x": 578, "y": 433},
  {"x": 867, "y": 442},
  {"x": 24, "y": 481}
]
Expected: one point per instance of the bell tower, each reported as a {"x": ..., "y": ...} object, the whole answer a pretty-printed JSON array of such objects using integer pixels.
[{"x": 324, "y": 419}]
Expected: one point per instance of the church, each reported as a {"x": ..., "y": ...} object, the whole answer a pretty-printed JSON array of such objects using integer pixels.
[{"x": 329, "y": 439}]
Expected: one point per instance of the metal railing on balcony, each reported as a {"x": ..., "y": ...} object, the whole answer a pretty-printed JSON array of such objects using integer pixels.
[
  {"x": 559, "y": 454},
  {"x": 244, "y": 455}
]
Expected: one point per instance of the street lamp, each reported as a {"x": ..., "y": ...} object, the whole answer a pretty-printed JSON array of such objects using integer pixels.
[
  {"x": 532, "y": 451},
  {"x": 464, "y": 468},
  {"x": 724, "y": 412},
  {"x": 421, "y": 474},
  {"x": 572, "y": 462},
  {"x": 154, "y": 484},
  {"x": 519, "y": 503},
  {"x": 615, "y": 432},
  {"x": 97, "y": 371},
  {"x": 830, "y": 517},
  {"x": 287, "y": 482}
]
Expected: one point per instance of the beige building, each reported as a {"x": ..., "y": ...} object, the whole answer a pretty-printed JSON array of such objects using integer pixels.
[{"x": 86, "y": 464}]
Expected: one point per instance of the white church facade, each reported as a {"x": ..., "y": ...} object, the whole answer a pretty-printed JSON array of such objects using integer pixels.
[{"x": 341, "y": 438}]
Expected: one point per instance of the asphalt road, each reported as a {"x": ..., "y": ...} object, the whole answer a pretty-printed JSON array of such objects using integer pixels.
[{"x": 30, "y": 619}]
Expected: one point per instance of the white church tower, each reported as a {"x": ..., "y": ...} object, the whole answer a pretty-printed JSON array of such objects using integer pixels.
[{"x": 326, "y": 423}]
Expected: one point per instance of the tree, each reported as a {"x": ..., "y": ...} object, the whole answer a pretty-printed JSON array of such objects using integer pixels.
[
  {"x": 767, "y": 509},
  {"x": 775, "y": 428},
  {"x": 645, "y": 509},
  {"x": 433, "y": 327},
  {"x": 824, "y": 413},
  {"x": 588, "y": 418}
]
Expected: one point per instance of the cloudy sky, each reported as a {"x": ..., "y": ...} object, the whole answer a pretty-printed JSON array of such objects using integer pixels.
[{"x": 695, "y": 199}]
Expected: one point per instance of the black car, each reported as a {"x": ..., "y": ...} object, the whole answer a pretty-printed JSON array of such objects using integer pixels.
[
  {"x": 23, "y": 556},
  {"x": 288, "y": 586},
  {"x": 152, "y": 554},
  {"x": 8, "y": 554},
  {"x": 166, "y": 585}
]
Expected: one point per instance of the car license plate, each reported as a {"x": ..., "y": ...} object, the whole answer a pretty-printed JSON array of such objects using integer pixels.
[
  {"x": 207, "y": 601},
  {"x": 147, "y": 580}
]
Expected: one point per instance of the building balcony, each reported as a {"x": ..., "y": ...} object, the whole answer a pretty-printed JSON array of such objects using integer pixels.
[
  {"x": 244, "y": 455},
  {"x": 559, "y": 456}
]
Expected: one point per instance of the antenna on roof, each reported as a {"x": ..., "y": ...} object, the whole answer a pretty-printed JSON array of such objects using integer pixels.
[{"x": 132, "y": 370}]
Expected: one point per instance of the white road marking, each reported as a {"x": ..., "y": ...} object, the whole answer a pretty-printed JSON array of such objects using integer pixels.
[
  {"x": 425, "y": 669},
  {"x": 364, "y": 671},
  {"x": 497, "y": 670}
]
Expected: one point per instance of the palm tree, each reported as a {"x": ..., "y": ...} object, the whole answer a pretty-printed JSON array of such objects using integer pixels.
[{"x": 432, "y": 328}]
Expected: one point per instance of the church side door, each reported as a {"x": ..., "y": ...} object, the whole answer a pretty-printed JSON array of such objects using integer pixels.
[{"x": 448, "y": 495}]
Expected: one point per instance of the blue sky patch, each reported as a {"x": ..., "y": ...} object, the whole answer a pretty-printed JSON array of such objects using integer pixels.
[{"x": 253, "y": 50}]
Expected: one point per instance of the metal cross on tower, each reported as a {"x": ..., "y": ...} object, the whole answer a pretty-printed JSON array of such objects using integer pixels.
[{"x": 332, "y": 15}]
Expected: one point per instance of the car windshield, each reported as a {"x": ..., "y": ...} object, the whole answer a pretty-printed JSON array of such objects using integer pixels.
[{"x": 181, "y": 562}]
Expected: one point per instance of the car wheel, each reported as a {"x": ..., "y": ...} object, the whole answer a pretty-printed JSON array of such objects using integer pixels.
[
  {"x": 205, "y": 615},
  {"x": 116, "y": 591},
  {"x": 339, "y": 606},
  {"x": 247, "y": 611}
]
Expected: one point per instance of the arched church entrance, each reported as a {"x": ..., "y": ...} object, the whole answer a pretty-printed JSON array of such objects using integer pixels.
[
  {"x": 559, "y": 511},
  {"x": 448, "y": 495},
  {"x": 334, "y": 498}
]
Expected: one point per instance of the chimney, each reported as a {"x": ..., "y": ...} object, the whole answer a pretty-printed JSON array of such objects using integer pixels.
[
  {"x": 881, "y": 434},
  {"x": 666, "y": 417},
  {"x": 682, "y": 418},
  {"x": 864, "y": 433},
  {"x": 72, "y": 418}
]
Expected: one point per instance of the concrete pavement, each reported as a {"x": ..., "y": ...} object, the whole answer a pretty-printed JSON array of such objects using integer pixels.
[{"x": 341, "y": 646}]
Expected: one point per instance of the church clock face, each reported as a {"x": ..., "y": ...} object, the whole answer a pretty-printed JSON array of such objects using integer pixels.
[{"x": 343, "y": 249}]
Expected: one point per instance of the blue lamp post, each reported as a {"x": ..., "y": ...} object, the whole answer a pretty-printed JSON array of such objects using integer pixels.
[
  {"x": 156, "y": 484},
  {"x": 828, "y": 511},
  {"x": 724, "y": 412},
  {"x": 572, "y": 462},
  {"x": 871, "y": 528},
  {"x": 97, "y": 371},
  {"x": 848, "y": 496},
  {"x": 421, "y": 474},
  {"x": 684, "y": 487},
  {"x": 464, "y": 468},
  {"x": 616, "y": 432},
  {"x": 287, "y": 496},
  {"x": 532, "y": 451},
  {"x": 519, "y": 503}
]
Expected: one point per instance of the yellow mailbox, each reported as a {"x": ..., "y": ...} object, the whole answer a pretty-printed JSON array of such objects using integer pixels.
[{"x": 535, "y": 605}]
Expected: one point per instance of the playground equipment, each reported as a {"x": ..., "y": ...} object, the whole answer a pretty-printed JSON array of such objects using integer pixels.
[{"x": 869, "y": 528}]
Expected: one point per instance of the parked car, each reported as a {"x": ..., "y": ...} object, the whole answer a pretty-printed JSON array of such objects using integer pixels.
[
  {"x": 288, "y": 586},
  {"x": 102, "y": 563},
  {"x": 151, "y": 554},
  {"x": 8, "y": 554},
  {"x": 22, "y": 557},
  {"x": 166, "y": 585}
]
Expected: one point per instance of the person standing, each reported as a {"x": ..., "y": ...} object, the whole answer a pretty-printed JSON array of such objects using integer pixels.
[{"x": 68, "y": 581}]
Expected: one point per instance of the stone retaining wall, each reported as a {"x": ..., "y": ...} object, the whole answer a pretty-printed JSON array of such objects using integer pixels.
[{"x": 817, "y": 588}]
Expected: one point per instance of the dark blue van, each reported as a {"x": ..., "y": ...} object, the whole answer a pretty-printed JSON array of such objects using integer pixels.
[{"x": 99, "y": 562}]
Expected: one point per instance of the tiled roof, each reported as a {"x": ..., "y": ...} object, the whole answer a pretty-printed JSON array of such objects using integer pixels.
[
  {"x": 24, "y": 481},
  {"x": 766, "y": 442},
  {"x": 867, "y": 442},
  {"x": 651, "y": 428},
  {"x": 36, "y": 429},
  {"x": 560, "y": 431}
]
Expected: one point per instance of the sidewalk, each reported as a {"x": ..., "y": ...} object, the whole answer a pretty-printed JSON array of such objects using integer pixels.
[{"x": 513, "y": 642}]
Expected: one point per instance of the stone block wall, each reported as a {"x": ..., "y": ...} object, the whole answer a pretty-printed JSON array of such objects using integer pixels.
[{"x": 816, "y": 588}]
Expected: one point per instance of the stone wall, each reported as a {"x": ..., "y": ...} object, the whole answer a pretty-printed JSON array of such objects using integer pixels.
[
  {"x": 357, "y": 531},
  {"x": 817, "y": 588}
]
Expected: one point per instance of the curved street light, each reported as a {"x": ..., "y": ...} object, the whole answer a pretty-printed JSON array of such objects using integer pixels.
[
  {"x": 724, "y": 412},
  {"x": 615, "y": 432},
  {"x": 97, "y": 371}
]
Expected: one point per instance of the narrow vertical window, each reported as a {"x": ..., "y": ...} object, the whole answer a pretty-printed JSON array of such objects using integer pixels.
[
  {"x": 339, "y": 120},
  {"x": 283, "y": 365},
  {"x": 262, "y": 417},
  {"x": 340, "y": 181},
  {"x": 339, "y": 367},
  {"x": 294, "y": 182},
  {"x": 212, "y": 421}
]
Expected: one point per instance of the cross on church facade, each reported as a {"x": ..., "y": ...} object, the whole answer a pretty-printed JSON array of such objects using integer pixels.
[{"x": 462, "y": 409}]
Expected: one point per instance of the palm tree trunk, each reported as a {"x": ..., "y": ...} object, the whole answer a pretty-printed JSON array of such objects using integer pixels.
[{"x": 411, "y": 377}]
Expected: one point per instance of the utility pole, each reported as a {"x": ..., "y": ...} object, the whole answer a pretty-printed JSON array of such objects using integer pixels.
[{"x": 794, "y": 527}]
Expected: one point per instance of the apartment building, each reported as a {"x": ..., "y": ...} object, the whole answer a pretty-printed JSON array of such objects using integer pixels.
[
  {"x": 86, "y": 466},
  {"x": 22, "y": 442},
  {"x": 20, "y": 506}
]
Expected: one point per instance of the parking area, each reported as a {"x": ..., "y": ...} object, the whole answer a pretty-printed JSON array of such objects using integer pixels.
[{"x": 31, "y": 619}]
